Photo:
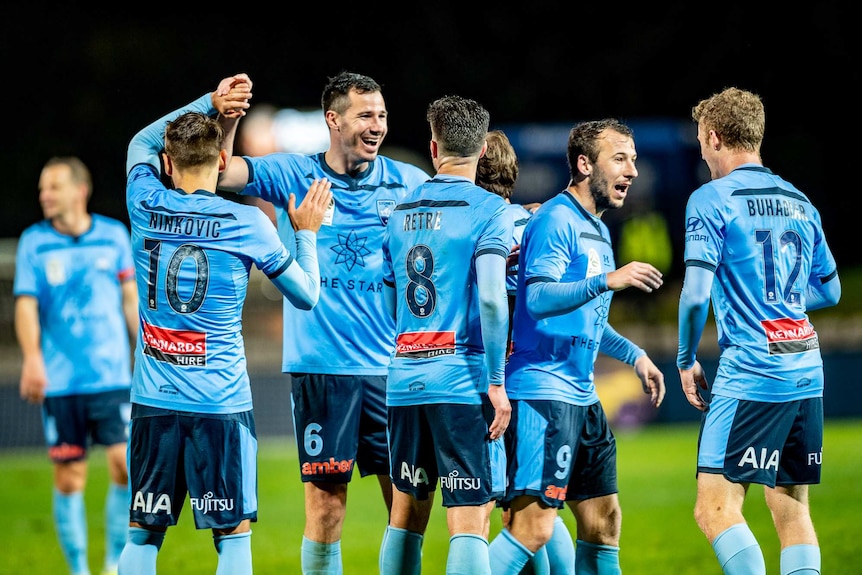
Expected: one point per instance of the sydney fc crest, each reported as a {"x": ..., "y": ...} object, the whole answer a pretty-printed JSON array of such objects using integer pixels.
[{"x": 384, "y": 210}]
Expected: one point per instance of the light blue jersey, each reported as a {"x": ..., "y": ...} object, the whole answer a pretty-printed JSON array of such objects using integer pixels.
[
  {"x": 348, "y": 332},
  {"x": 764, "y": 241},
  {"x": 432, "y": 241},
  {"x": 193, "y": 255},
  {"x": 553, "y": 357},
  {"x": 520, "y": 216},
  {"x": 78, "y": 284}
]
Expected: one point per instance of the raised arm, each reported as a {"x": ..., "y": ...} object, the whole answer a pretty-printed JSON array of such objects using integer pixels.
[{"x": 230, "y": 100}]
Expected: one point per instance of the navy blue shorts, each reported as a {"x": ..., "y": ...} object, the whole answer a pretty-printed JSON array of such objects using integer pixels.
[
  {"x": 759, "y": 442},
  {"x": 71, "y": 423},
  {"x": 448, "y": 442},
  {"x": 339, "y": 421},
  {"x": 211, "y": 458},
  {"x": 560, "y": 452}
]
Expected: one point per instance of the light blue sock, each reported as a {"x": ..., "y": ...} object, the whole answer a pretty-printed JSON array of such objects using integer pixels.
[
  {"x": 70, "y": 520},
  {"x": 468, "y": 555},
  {"x": 560, "y": 549},
  {"x": 400, "y": 552},
  {"x": 320, "y": 558},
  {"x": 538, "y": 563},
  {"x": 594, "y": 559},
  {"x": 800, "y": 560},
  {"x": 234, "y": 553},
  {"x": 141, "y": 551},
  {"x": 738, "y": 552},
  {"x": 507, "y": 555},
  {"x": 116, "y": 523}
]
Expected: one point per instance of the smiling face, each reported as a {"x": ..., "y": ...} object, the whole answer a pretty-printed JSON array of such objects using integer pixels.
[
  {"x": 357, "y": 131},
  {"x": 613, "y": 172}
]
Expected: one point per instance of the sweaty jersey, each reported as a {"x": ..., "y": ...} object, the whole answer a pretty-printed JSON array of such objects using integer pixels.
[
  {"x": 193, "y": 255},
  {"x": 78, "y": 284},
  {"x": 520, "y": 216},
  {"x": 763, "y": 239},
  {"x": 553, "y": 357},
  {"x": 348, "y": 332},
  {"x": 431, "y": 243}
]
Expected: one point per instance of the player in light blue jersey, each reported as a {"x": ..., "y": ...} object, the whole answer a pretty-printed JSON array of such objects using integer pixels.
[
  {"x": 445, "y": 253},
  {"x": 192, "y": 426},
  {"x": 755, "y": 248},
  {"x": 566, "y": 277},
  {"x": 75, "y": 316},
  {"x": 497, "y": 172},
  {"x": 337, "y": 370}
]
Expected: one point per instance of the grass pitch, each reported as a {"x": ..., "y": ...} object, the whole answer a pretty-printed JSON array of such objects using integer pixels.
[{"x": 657, "y": 490}]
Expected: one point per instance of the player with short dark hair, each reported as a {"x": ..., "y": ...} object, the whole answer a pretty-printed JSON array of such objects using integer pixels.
[
  {"x": 755, "y": 248},
  {"x": 192, "y": 429},
  {"x": 337, "y": 369},
  {"x": 444, "y": 254},
  {"x": 566, "y": 279}
]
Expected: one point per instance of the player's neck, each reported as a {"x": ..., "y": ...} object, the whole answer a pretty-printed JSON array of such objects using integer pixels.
[
  {"x": 456, "y": 166},
  {"x": 732, "y": 160},
  {"x": 73, "y": 223},
  {"x": 193, "y": 181}
]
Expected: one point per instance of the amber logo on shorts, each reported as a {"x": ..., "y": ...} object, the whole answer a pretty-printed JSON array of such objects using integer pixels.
[
  {"x": 556, "y": 492},
  {"x": 331, "y": 467}
]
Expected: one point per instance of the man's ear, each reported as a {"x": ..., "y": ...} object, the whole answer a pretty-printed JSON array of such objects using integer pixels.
[
  {"x": 433, "y": 147},
  {"x": 169, "y": 165},
  {"x": 585, "y": 167},
  {"x": 484, "y": 149},
  {"x": 331, "y": 117},
  {"x": 222, "y": 160},
  {"x": 714, "y": 140}
]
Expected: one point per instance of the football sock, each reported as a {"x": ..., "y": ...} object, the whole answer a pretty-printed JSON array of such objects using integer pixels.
[
  {"x": 141, "y": 551},
  {"x": 70, "y": 520},
  {"x": 116, "y": 524},
  {"x": 595, "y": 559},
  {"x": 401, "y": 552},
  {"x": 234, "y": 553},
  {"x": 320, "y": 558},
  {"x": 507, "y": 555},
  {"x": 538, "y": 563},
  {"x": 738, "y": 552},
  {"x": 468, "y": 555},
  {"x": 800, "y": 560},
  {"x": 560, "y": 549}
]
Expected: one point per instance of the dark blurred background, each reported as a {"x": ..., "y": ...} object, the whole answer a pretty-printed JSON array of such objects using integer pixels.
[{"x": 83, "y": 81}]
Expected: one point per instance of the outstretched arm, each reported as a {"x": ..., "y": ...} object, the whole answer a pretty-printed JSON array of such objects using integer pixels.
[
  {"x": 546, "y": 299},
  {"x": 146, "y": 145}
]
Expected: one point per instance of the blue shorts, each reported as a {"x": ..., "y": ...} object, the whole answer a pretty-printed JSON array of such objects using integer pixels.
[
  {"x": 339, "y": 421},
  {"x": 759, "y": 442},
  {"x": 560, "y": 452},
  {"x": 73, "y": 422},
  {"x": 212, "y": 458},
  {"x": 448, "y": 442}
]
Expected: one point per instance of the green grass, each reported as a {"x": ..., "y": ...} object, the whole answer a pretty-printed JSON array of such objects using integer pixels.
[{"x": 657, "y": 489}]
